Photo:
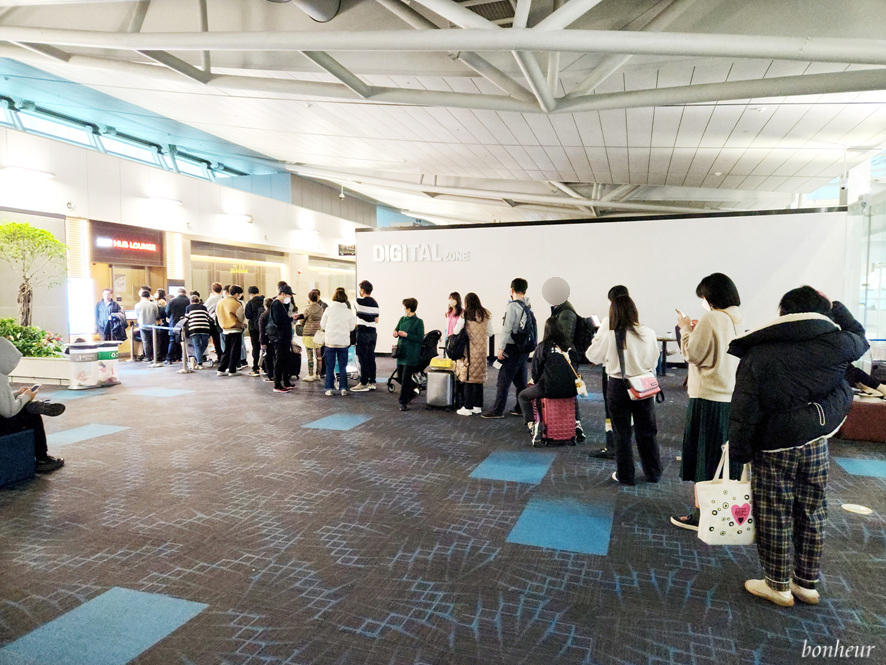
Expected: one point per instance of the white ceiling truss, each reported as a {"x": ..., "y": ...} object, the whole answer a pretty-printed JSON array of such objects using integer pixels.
[{"x": 693, "y": 105}]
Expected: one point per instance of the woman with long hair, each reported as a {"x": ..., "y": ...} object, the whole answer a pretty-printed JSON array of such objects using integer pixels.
[
  {"x": 313, "y": 313},
  {"x": 710, "y": 382},
  {"x": 453, "y": 314},
  {"x": 551, "y": 374},
  {"x": 638, "y": 343},
  {"x": 471, "y": 370}
]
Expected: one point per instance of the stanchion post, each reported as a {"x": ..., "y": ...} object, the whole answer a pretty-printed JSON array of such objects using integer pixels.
[
  {"x": 185, "y": 369},
  {"x": 154, "y": 338}
]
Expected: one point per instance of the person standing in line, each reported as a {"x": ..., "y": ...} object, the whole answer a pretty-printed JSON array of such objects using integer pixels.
[
  {"x": 175, "y": 312},
  {"x": 410, "y": 332},
  {"x": 512, "y": 359},
  {"x": 638, "y": 344},
  {"x": 337, "y": 322},
  {"x": 163, "y": 331},
  {"x": 791, "y": 396},
  {"x": 471, "y": 370},
  {"x": 453, "y": 314},
  {"x": 232, "y": 320},
  {"x": 146, "y": 313},
  {"x": 608, "y": 450},
  {"x": 281, "y": 340},
  {"x": 710, "y": 382},
  {"x": 367, "y": 336},
  {"x": 109, "y": 322},
  {"x": 266, "y": 344},
  {"x": 211, "y": 303},
  {"x": 313, "y": 314},
  {"x": 197, "y": 328},
  {"x": 254, "y": 308}
]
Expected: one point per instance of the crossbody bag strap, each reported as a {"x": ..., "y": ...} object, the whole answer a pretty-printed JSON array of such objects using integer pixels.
[{"x": 565, "y": 355}]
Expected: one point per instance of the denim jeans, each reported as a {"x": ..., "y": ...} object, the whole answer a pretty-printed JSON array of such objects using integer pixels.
[
  {"x": 329, "y": 358},
  {"x": 366, "y": 338},
  {"x": 200, "y": 341}
]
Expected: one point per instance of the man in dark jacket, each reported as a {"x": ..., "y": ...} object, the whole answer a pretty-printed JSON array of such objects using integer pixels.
[
  {"x": 252, "y": 311},
  {"x": 109, "y": 321},
  {"x": 281, "y": 340},
  {"x": 175, "y": 312},
  {"x": 790, "y": 397}
]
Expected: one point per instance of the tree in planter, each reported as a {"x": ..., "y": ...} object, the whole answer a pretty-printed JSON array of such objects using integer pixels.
[{"x": 37, "y": 256}]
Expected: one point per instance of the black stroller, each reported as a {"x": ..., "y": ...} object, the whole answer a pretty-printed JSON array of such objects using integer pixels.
[{"x": 429, "y": 351}]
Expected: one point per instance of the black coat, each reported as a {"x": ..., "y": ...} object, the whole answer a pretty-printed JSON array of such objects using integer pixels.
[
  {"x": 566, "y": 318},
  {"x": 175, "y": 308},
  {"x": 552, "y": 374},
  {"x": 252, "y": 311},
  {"x": 790, "y": 387}
]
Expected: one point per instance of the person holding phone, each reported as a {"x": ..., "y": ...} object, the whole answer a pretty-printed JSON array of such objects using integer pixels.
[
  {"x": 710, "y": 383},
  {"x": 20, "y": 411}
]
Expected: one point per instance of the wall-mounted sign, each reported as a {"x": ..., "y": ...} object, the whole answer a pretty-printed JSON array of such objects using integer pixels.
[
  {"x": 416, "y": 253},
  {"x": 125, "y": 245},
  {"x": 239, "y": 270},
  {"x": 347, "y": 250}
]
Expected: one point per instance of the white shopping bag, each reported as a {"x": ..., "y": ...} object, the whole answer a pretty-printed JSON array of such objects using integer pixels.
[{"x": 726, "y": 514}]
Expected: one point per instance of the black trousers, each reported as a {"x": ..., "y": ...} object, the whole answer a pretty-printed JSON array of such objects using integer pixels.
[
  {"x": 513, "y": 370},
  {"x": 282, "y": 350},
  {"x": 473, "y": 395},
  {"x": 256, "y": 349},
  {"x": 269, "y": 361},
  {"x": 525, "y": 398},
  {"x": 147, "y": 342},
  {"x": 621, "y": 408},
  {"x": 162, "y": 343},
  {"x": 366, "y": 339},
  {"x": 23, "y": 421},
  {"x": 407, "y": 385},
  {"x": 216, "y": 343},
  {"x": 174, "y": 352},
  {"x": 231, "y": 355}
]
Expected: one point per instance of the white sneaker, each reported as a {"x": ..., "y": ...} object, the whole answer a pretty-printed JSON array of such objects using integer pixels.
[
  {"x": 345, "y": 393},
  {"x": 220, "y": 373},
  {"x": 360, "y": 388},
  {"x": 310, "y": 377},
  {"x": 330, "y": 393},
  {"x": 760, "y": 588},
  {"x": 477, "y": 409},
  {"x": 465, "y": 412},
  {"x": 372, "y": 386},
  {"x": 808, "y": 596}
]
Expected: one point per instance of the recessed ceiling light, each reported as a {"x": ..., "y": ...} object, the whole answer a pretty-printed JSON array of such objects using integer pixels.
[
  {"x": 758, "y": 109},
  {"x": 718, "y": 173}
]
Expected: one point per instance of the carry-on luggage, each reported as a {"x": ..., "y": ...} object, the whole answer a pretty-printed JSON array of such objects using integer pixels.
[
  {"x": 440, "y": 389},
  {"x": 557, "y": 421}
]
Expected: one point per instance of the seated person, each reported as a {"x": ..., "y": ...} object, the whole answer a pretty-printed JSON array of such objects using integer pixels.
[
  {"x": 867, "y": 384},
  {"x": 552, "y": 375},
  {"x": 20, "y": 412}
]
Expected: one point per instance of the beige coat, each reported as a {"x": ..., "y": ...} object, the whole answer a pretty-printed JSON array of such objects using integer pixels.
[{"x": 472, "y": 368}]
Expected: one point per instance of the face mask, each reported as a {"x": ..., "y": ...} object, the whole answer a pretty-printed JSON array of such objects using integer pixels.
[
  {"x": 452, "y": 303},
  {"x": 705, "y": 304},
  {"x": 286, "y": 301}
]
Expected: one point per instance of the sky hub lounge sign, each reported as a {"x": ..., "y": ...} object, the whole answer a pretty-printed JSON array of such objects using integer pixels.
[{"x": 416, "y": 253}]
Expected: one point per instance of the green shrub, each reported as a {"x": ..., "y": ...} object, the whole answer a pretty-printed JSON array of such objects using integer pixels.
[{"x": 30, "y": 340}]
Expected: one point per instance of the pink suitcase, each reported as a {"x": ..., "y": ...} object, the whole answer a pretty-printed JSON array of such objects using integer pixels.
[{"x": 557, "y": 421}]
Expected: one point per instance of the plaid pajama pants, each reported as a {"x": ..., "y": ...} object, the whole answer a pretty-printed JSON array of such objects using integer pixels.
[{"x": 789, "y": 505}]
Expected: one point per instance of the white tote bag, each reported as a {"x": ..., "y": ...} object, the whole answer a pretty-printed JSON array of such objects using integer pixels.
[{"x": 726, "y": 514}]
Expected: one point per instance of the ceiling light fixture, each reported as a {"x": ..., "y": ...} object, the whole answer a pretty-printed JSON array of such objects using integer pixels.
[
  {"x": 25, "y": 171},
  {"x": 342, "y": 193},
  {"x": 718, "y": 173}
]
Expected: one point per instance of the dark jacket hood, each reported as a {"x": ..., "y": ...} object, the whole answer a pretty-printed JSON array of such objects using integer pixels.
[{"x": 789, "y": 328}]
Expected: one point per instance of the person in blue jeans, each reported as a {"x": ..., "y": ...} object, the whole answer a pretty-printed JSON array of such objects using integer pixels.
[
  {"x": 198, "y": 324},
  {"x": 513, "y": 361},
  {"x": 337, "y": 323}
]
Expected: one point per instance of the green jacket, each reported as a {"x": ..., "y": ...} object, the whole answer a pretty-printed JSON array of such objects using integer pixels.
[{"x": 414, "y": 328}]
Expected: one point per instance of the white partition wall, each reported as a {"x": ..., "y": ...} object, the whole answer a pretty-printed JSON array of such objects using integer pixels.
[{"x": 661, "y": 261}]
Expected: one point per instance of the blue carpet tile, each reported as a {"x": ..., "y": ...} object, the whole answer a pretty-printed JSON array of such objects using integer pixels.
[
  {"x": 862, "y": 467},
  {"x": 516, "y": 467},
  {"x": 341, "y": 422},
  {"x": 112, "y": 629},
  {"x": 78, "y": 434},
  {"x": 573, "y": 525}
]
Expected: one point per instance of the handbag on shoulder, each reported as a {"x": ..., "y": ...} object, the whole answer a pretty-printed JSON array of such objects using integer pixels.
[{"x": 641, "y": 386}]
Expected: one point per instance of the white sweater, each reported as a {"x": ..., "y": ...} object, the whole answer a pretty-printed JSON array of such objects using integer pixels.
[
  {"x": 711, "y": 368},
  {"x": 641, "y": 352},
  {"x": 10, "y": 402},
  {"x": 338, "y": 321}
]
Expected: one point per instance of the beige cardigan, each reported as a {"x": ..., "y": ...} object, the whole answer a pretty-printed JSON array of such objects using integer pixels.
[{"x": 711, "y": 368}]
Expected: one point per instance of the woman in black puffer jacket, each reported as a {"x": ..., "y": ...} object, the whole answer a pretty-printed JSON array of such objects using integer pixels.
[{"x": 790, "y": 397}]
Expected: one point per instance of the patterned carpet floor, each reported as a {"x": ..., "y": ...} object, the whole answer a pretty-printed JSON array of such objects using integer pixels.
[{"x": 372, "y": 543}]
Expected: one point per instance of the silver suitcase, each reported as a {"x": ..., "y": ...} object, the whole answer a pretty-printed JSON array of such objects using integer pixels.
[{"x": 441, "y": 389}]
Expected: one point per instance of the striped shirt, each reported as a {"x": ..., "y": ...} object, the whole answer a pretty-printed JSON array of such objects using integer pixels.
[
  {"x": 367, "y": 312},
  {"x": 199, "y": 322}
]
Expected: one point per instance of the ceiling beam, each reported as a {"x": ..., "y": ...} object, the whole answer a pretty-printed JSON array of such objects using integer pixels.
[
  {"x": 566, "y": 189},
  {"x": 204, "y": 27},
  {"x": 494, "y": 75},
  {"x": 537, "y": 82},
  {"x": 613, "y": 63},
  {"x": 456, "y": 14},
  {"x": 567, "y": 14},
  {"x": 486, "y": 194},
  {"x": 408, "y": 14},
  {"x": 178, "y": 65},
  {"x": 803, "y": 49},
  {"x": 48, "y": 51},
  {"x": 334, "y": 67},
  {"x": 137, "y": 20}
]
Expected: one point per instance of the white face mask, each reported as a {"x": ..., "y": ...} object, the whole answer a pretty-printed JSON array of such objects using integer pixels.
[
  {"x": 451, "y": 303},
  {"x": 287, "y": 300},
  {"x": 706, "y": 304}
]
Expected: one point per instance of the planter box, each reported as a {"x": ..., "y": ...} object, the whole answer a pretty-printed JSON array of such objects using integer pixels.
[{"x": 55, "y": 371}]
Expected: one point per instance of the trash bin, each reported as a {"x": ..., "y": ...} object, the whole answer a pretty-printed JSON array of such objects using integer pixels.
[{"x": 93, "y": 364}]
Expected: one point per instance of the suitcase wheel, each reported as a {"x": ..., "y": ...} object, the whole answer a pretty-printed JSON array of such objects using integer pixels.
[{"x": 390, "y": 387}]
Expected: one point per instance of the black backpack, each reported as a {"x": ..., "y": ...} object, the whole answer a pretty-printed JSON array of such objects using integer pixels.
[
  {"x": 526, "y": 337},
  {"x": 457, "y": 344},
  {"x": 584, "y": 335}
]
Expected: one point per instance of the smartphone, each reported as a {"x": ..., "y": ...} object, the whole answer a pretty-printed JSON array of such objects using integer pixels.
[
  {"x": 680, "y": 312},
  {"x": 35, "y": 387}
]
